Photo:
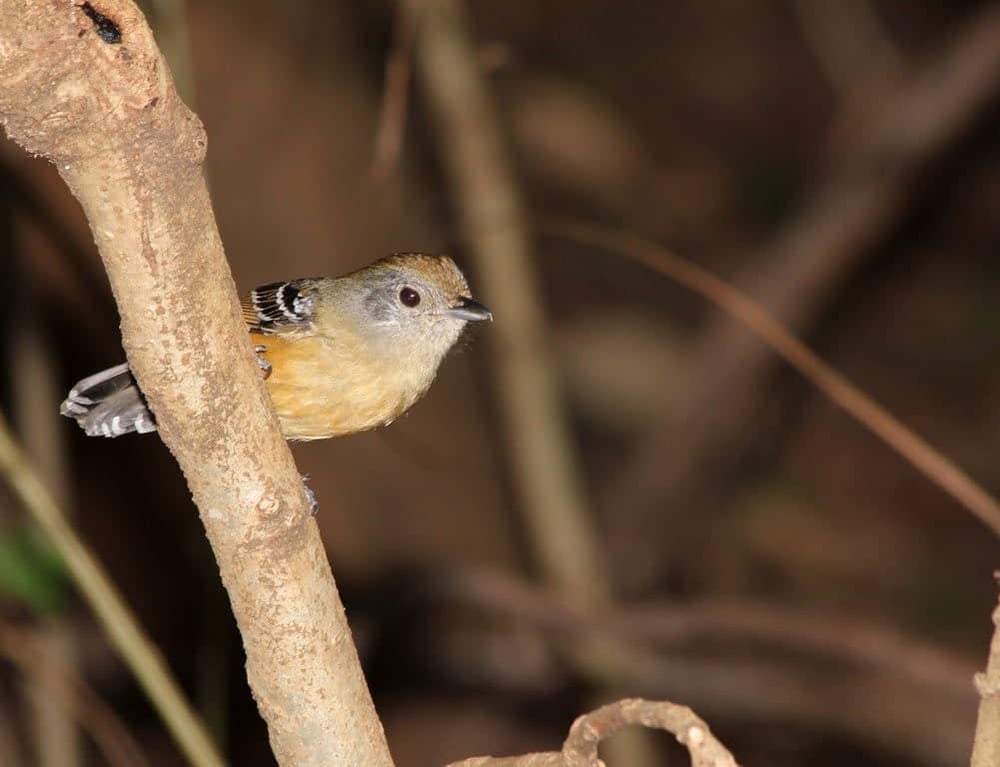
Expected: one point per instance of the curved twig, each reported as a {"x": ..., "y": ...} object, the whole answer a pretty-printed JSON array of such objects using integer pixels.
[
  {"x": 587, "y": 732},
  {"x": 580, "y": 748}
]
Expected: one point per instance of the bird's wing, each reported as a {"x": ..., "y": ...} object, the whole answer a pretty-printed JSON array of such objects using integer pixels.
[{"x": 281, "y": 307}]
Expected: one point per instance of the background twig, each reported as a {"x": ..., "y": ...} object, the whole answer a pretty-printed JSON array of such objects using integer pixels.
[
  {"x": 490, "y": 207},
  {"x": 123, "y": 631},
  {"x": 931, "y": 463},
  {"x": 858, "y": 202},
  {"x": 61, "y": 685}
]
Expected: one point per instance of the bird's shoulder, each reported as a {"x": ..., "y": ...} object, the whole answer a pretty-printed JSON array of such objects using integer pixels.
[{"x": 281, "y": 307}]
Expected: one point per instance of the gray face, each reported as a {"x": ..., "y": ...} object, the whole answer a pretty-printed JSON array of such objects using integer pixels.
[
  {"x": 412, "y": 315},
  {"x": 402, "y": 299}
]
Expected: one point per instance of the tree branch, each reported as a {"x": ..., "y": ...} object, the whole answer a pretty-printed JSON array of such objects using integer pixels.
[
  {"x": 108, "y": 115},
  {"x": 587, "y": 732},
  {"x": 986, "y": 746}
]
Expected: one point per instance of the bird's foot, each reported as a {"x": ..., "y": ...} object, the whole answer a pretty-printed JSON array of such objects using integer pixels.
[
  {"x": 265, "y": 366},
  {"x": 310, "y": 496}
]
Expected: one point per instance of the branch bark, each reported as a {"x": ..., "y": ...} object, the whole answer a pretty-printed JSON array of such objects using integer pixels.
[
  {"x": 108, "y": 115},
  {"x": 986, "y": 746},
  {"x": 587, "y": 732}
]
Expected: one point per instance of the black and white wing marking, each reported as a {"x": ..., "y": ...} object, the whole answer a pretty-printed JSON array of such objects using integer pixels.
[{"x": 280, "y": 306}]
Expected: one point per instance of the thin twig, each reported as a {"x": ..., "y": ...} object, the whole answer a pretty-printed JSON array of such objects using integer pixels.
[{"x": 930, "y": 462}]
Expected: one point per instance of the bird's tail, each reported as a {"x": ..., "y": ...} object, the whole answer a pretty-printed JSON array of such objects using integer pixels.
[{"x": 109, "y": 404}]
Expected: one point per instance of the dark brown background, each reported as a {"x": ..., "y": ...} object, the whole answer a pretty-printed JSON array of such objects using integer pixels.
[{"x": 709, "y": 125}]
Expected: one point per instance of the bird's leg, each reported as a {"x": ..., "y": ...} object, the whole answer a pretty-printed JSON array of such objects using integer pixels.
[
  {"x": 310, "y": 496},
  {"x": 265, "y": 366}
]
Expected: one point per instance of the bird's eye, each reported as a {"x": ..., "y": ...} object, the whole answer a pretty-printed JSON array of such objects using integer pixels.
[{"x": 409, "y": 297}]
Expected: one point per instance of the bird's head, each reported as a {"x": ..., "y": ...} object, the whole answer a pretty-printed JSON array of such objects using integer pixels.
[{"x": 415, "y": 305}]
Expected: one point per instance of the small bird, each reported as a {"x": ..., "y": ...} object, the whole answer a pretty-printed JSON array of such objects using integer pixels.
[{"x": 340, "y": 355}]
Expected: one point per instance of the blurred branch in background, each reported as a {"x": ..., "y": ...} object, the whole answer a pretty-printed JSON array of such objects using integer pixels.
[
  {"x": 169, "y": 20},
  {"x": 752, "y": 315},
  {"x": 111, "y": 611},
  {"x": 63, "y": 688},
  {"x": 857, "y": 53},
  {"x": 488, "y": 198},
  {"x": 395, "y": 97},
  {"x": 553, "y": 500},
  {"x": 35, "y": 395},
  {"x": 43, "y": 495},
  {"x": 848, "y": 39},
  {"x": 65, "y": 271},
  {"x": 794, "y": 278},
  {"x": 10, "y": 751},
  {"x": 789, "y": 632},
  {"x": 738, "y": 659}
]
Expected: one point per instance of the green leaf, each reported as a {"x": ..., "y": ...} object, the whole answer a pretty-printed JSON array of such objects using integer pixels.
[{"x": 31, "y": 571}]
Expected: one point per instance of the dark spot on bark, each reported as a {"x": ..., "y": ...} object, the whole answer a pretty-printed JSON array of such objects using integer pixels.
[{"x": 106, "y": 29}]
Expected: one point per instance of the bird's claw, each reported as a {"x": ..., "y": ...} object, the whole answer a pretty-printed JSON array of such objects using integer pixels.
[
  {"x": 265, "y": 366},
  {"x": 310, "y": 496}
]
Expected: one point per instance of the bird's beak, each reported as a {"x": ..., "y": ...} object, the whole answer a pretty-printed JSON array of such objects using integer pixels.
[{"x": 470, "y": 310}]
